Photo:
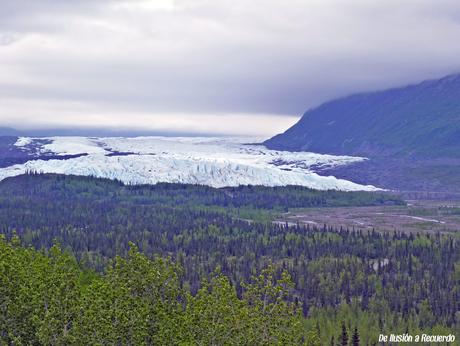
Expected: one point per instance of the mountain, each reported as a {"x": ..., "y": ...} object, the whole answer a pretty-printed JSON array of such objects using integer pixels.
[
  {"x": 416, "y": 121},
  {"x": 7, "y": 131}
]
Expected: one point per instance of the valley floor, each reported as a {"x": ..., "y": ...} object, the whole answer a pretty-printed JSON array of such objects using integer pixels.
[{"x": 418, "y": 215}]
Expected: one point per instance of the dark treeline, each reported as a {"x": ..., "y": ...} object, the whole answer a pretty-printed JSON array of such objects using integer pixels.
[
  {"x": 48, "y": 186},
  {"x": 376, "y": 282}
]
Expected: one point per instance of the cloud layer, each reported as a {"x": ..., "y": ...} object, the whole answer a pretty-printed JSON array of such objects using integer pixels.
[{"x": 220, "y": 66}]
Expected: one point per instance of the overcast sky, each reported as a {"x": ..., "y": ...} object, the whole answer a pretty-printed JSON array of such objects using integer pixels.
[{"x": 211, "y": 66}]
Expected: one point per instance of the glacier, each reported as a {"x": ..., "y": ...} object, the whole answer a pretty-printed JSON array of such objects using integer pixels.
[{"x": 213, "y": 161}]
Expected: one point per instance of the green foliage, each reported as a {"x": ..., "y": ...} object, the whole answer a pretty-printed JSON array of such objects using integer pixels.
[
  {"x": 38, "y": 294},
  {"x": 139, "y": 301},
  {"x": 277, "y": 321}
]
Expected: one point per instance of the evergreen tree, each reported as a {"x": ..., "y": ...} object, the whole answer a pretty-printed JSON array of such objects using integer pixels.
[
  {"x": 344, "y": 335},
  {"x": 355, "y": 337}
]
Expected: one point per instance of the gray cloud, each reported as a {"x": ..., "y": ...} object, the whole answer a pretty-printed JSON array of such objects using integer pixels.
[{"x": 201, "y": 58}]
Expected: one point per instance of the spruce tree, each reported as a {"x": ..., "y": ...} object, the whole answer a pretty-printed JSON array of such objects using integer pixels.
[
  {"x": 344, "y": 335},
  {"x": 355, "y": 338}
]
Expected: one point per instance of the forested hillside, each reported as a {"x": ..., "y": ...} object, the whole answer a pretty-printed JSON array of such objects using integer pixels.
[{"x": 374, "y": 282}]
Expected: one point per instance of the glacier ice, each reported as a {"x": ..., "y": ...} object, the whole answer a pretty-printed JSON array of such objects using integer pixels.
[{"x": 215, "y": 161}]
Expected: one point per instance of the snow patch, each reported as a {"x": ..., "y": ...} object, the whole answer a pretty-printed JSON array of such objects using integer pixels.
[
  {"x": 72, "y": 146},
  {"x": 23, "y": 141}
]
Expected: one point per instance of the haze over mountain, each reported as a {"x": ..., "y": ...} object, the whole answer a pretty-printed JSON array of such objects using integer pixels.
[
  {"x": 416, "y": 121},
  {"x": 8, "y": 131},
  {"x": 95, "y": 132}
]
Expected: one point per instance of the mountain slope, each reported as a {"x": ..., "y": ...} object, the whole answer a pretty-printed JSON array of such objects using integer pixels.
[
  {"x": 7, "y": 131},
  {"x": 417, "y": 121}
]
